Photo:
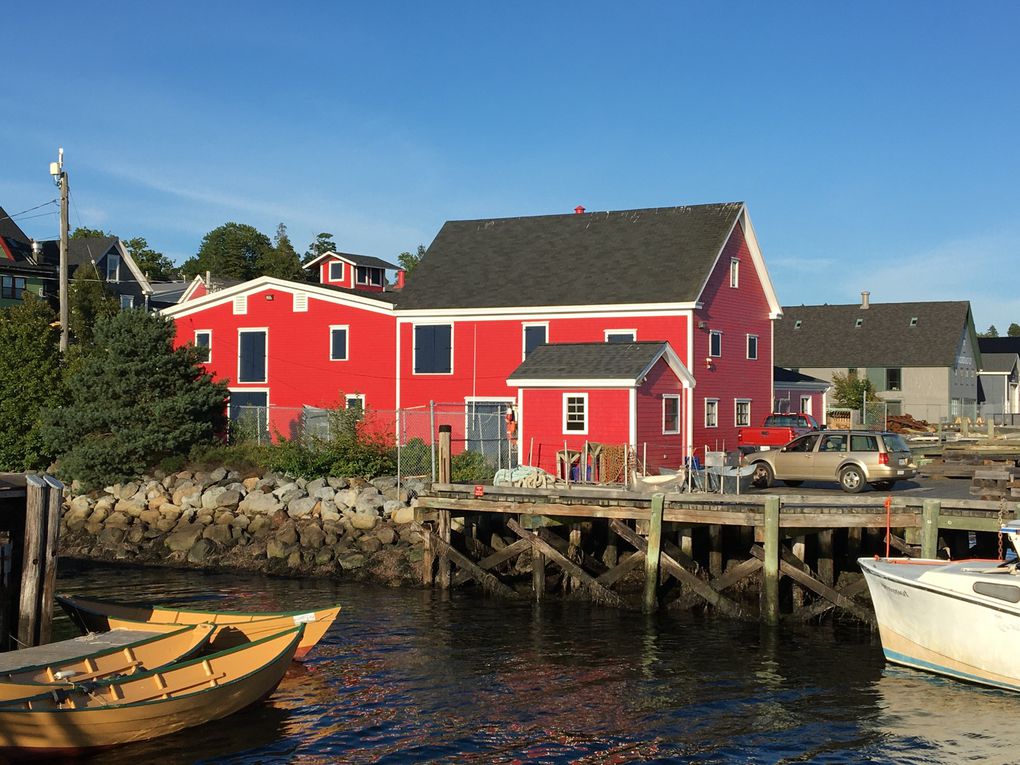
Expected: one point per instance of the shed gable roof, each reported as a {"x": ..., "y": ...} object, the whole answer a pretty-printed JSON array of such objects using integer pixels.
[
  {"x": 829, "y": 335},
  {"x": 655, "y": 255},
  {"x": 357, "y": 260},
  {"x": 998, "y": 363},
  {"x": 621, "y": 363}
]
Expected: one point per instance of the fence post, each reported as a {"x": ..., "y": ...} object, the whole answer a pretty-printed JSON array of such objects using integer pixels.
[
  {"x": 398, "y": 429},
  {"x": 432, "y": 436},
  {"x": 445, "y": 456}
]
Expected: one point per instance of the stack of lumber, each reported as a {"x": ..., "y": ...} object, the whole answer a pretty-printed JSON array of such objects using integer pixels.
[
  {"x": 904, "y": 423},
  {"x": 994, "y": 483}
]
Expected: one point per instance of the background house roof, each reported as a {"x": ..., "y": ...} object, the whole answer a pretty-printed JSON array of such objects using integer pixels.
[
  {"x": 828, "y": 335},
  {"x": 1001, "y": 363},
  {"x": 655, "y": 255},
  {"x": 999, "y": 345},
  {"x": 16, "y": 241},
  {"x": 790, "y": 377},
  {"x": 81, "y": 251},
  {"x": 358, "y": 260},
  {"x": 581, "y": 361}
]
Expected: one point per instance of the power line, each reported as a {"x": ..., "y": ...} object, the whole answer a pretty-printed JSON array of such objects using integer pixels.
[{"x": 30, "y": 209}]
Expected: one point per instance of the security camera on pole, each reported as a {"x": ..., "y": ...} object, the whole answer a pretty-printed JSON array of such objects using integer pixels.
[{"x": 60, "y": 178}]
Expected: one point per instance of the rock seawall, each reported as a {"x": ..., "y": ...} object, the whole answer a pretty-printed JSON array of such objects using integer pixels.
[{"x": 337, "y": 527}]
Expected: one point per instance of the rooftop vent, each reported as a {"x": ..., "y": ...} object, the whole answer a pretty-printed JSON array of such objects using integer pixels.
[
  {"x": 796, "y": 324},
  {"x": 913, "y": 321},
  {"x": 859, "y": 322},
  {"x": 865, "y": 302}
]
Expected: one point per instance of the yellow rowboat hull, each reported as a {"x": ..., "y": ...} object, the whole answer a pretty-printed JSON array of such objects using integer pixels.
[
  {"x": 148, "y": 705},
  {"x": 120, "y": 652},
  {"x": 232, "y": 627}
]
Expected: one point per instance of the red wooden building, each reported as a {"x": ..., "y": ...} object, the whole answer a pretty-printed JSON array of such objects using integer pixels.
[{"x": 690, "y": 281}]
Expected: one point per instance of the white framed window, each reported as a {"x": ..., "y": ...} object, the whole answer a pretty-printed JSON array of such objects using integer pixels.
[
  {"x": 734, "y": 272},
  {"x": 670, "y": 413},
  {"x": 575, "y": 413},
  {"x": 127, "y": 301},
  {"x": 742, "y": 413},
  {"x": 338, "y": 338},
  {"x": 336, "y": 271},
  {"x": 752, "y": 346},
  {"x": 252, "y": 355},
  {"x": 711, "y": 413},
  {"x": 433, "y": 349},
  {"x": 533, "y": 334},
  {"x": 112, "y": 268},
  {"x": 715, "y": 343},
  {"x": 620, "y": 335},
  {"x": 368, "y": 275},
  {"x": 203, "y": 341},
  {"x": 355, "y": 401},
  {"x": 805, "y": 405}
]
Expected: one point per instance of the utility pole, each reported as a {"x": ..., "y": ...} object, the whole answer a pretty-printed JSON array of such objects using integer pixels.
[{"x": 60, "y": 178}]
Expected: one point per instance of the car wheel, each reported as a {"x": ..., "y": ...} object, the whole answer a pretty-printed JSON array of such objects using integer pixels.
[
  {"x": 794, "y": 484},
  {"x": 884, "y": 485},
  {"x": 851, "y": 479},
  {"x": 763, "y": 475}
]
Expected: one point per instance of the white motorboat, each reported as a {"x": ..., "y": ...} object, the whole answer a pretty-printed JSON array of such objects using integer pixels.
[{"x": 959, "y": 618}]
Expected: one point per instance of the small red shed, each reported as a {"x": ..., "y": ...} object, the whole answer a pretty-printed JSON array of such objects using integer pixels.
[
  {"x": 572, "y": 394},
  {"x": 345, "y": 269}
]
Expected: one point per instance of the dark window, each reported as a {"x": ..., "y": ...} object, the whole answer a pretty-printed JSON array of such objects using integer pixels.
[
  {"x": 671, "y": 414},
  {"x": 802, "y": 444},
  {"x": 575, "y": 417},
  {"x": 368, "y": 275},
  {"x": 127, "y": 301},
  {"x": 203, "y": 341},
  {"x": 251, "y": 348},
  {"x": 620, "y": 337},
  {"x": 112, "y": 268},
  {"x": 336, "y": 271},
  {"x": 534, "y": 336},
  {"x": 356, "y": 401},
  {"x": 715, "y": 344},
  {"x": 13, "y": 287},
  {"x": 1007, "y": 592},
  {"x": 859, "y": 443},
  {"x": 833, "y": 444},
  {"x": 752, "y": 346},
  {"x": 894, "y": 378},
  {"x": 338, "y": 344},
  {"x": 432, "y": 346}
]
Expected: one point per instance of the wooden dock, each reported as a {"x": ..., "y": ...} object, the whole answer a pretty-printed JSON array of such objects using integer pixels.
[
  {"x": 691, "y": 548},
  {"x": 30, "y": 508}
]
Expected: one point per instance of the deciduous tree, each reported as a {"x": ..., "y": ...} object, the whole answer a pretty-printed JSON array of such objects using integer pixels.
[
  {"x": 408, "y": 260},
  {"x": 849, "y": 390},
  {"x": 132, "y": 401},
  {"x": 156, "y": 266}
]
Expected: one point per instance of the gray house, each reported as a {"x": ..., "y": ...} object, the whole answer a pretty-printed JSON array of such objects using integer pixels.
[
  {"x": 1000, "y": 379},
  {"x": 922, "y": 358},
  {"x": 105, "y": 258}
]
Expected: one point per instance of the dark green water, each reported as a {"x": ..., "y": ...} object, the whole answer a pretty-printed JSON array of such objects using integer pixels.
[{"x": 408, "y": 676}]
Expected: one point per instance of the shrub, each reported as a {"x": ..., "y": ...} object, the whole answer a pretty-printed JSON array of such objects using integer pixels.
[{"x": 470, "y": 467}]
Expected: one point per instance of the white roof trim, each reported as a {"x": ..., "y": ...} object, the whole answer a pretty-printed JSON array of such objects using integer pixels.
[
  {"x": 198, "y": 280},
  {"x": 261, "y": 283},
  {"x": 744, "y": 218},
  {"x": 134, "y": 269},
  {"x": 529, "y": 312},
  {"x": 329, "y": 254}
]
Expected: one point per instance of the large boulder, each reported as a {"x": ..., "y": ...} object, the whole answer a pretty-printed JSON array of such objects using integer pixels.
[
  {"x": 300, "y": 507},
  {"x": 276, "y": 549},
  {"x": 259, "y": 503},
  {"x": 386, "y": 535},
  {"x": 219, "y": 534},
  {"x": 118, "y": 520},
  {"x": 211, "y": 496},
  {"x": 402, "y": 515},
  {"x": 369, "y": 501},
  {"x": 111, "y": 537},
  {"x": 287, "y": 534},
  {"x": 185, "y": 493},
  {"x": 312, "y": 536},
  {"x": 364, "y": 521},
  {"x": 337, "y": 483},
  {"x": 200, "y": 551},
  {"x": 183, "y": 540},
  {"x": 384, "y": 483}
]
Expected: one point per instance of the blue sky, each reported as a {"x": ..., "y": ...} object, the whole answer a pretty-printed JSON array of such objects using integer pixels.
[{"x": 873, "y": 142}]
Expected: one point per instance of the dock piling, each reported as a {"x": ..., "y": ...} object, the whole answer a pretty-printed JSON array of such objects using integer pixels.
[
  {"x": 770, "y": 591},
  {"x": 930, "y": 528},
  {"x": 654, "y": 549}
]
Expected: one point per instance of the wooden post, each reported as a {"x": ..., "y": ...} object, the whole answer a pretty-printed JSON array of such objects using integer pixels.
[
  {"x": 443, "y": 531},
  {"x": 573, "y": 553},
  {"x": 445, "y": 456},
  {"x": 654, "y": 548},
  {"x": 428, "y": 559},
  {"x": 826, "y": 571},
  {"x": 853, "y": 542},
  {"x": 49, "y": 589},
  {"x": 930, "y": 528},
  {"x": 799, "y": 547},
  {"x": 32, "y": 560},
  {"x": 715, "y": 550},
  {"x": 770, "y": 611},
  {"x": 537, "y": 570},
  {"x": 687, "y": 542}
]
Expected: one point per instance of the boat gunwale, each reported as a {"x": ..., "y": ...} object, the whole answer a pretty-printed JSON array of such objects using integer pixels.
[
  {"x": 290, "y": 647},
  {"x": 116, "y": 649},
  {"x": 74, "y": 602}
]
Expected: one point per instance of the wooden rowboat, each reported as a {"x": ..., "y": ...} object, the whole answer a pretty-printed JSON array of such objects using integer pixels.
[
  {"x": 94, "y": 656},
  {"x": 232, "y": 627},
  {"x": 149, "y": 704}
]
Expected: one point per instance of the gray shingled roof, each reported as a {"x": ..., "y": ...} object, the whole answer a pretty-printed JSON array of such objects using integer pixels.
[
  {"x": 784, "y": 375},
  {"x": 580, "y": 361},
  {"x": 632, "y": 256},
  {"x": 998, "y": 362},
  {"x": 828, "y": 336},
  {"x": 358, "y": 260},
  {"x": 80, "y": 251}
]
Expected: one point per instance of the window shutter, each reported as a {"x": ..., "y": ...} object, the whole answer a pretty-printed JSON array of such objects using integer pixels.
[{"x": 253, "y": 357}]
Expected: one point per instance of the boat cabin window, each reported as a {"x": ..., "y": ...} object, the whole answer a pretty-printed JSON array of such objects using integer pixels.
[
  {"x": 802, "y": 444},
  {"x": 1008, "y": 592}
]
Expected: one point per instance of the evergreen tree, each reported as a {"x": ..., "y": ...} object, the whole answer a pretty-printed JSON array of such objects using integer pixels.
[
  {"x": 408, "y": 261},
  {"x": 232, "y": 250},
  {"x": 88, "y": 300},
  {"x": 133, "y": 400},
  {"x": 282, "y": 260},
  {"x": 1014, "y": 330},
  {"x": 323, "y": 243},
  {"x": 30, "y": 378},
  {"x": 990, "y": 332}
]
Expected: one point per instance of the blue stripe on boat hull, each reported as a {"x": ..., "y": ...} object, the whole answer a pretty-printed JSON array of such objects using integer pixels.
[{"x": 909, "y": 661}]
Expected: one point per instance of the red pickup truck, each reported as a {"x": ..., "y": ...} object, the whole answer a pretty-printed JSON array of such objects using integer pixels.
[{"x": 777, "y": 430}]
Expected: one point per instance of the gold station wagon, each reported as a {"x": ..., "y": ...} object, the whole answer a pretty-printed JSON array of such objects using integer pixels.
[{"x": 854, "y": 458}]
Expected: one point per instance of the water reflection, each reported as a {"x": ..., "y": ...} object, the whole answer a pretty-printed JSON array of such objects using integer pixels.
[{"x": 408, "y": 676}]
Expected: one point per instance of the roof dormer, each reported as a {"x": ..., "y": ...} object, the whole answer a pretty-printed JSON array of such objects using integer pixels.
[{"x": 348, "y": 271}]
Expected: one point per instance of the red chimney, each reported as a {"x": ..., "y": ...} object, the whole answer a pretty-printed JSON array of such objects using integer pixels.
[
  {"x": 400, "y": 280},
  {"x": 579, "y": 210}
]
